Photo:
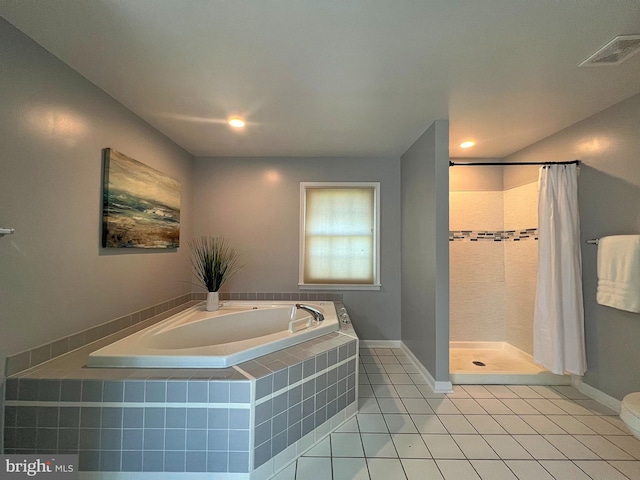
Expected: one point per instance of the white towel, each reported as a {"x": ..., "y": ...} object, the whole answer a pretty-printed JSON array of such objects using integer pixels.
[{"x": 619, "y": 272}]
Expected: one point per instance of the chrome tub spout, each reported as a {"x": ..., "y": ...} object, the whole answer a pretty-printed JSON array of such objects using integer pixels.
[{"x": 317, "y": 314}]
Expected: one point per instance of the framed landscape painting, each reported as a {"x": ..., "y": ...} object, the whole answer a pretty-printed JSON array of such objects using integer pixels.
[{"x": 141, "y": 206}]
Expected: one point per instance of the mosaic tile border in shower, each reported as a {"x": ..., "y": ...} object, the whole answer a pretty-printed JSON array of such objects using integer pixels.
[
  {"x": 36, "y": 356},
  {"x": 493, "y": 235}
]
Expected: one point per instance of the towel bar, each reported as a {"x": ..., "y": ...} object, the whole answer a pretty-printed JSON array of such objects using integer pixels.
[{"x": 594, "y": 241}]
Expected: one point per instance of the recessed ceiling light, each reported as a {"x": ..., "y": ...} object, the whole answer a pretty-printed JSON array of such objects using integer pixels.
[
  {"x": 467, "y": 144},
  {"x": 236, "y": 122}
]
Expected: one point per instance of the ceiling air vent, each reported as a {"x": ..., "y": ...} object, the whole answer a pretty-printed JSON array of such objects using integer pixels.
[{"x": 615, "y": 52}]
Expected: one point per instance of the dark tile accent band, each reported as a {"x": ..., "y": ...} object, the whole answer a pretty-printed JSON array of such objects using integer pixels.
[{"x": 493, "y": 236}]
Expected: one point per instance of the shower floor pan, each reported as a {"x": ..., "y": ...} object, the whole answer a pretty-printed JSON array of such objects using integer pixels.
[{"x": 497, "y": 363}]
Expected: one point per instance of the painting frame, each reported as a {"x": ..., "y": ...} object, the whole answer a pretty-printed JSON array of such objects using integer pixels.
[{"x": 140, "y": 205}]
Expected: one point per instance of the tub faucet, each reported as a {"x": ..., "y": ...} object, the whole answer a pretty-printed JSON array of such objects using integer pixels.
[{"x": 317, "y": 314}]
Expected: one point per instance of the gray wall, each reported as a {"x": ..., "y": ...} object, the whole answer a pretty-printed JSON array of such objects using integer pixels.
[
  {"x": 54, "y": 277},
  {"x": 255, "y": 202},
  {"x": 609, "y": 194},
  {"x": 425, "y": 249}
]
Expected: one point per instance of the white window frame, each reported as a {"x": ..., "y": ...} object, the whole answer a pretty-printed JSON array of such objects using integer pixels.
[{"x": 376, "y": 240}]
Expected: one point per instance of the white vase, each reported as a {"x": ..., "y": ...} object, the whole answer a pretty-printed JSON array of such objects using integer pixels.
[{"x": 213, "y": 301}]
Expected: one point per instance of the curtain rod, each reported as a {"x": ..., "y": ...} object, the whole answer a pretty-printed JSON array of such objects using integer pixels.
[{"x": 482, "y": 164}]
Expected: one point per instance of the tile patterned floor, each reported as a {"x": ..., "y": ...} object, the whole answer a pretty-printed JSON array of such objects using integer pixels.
[{"x": 496, "y": 432}]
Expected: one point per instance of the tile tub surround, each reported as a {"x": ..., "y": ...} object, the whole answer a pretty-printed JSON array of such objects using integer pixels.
[
  {"x": 138, "y": 320},
  {"x": 262, "y": 413}
]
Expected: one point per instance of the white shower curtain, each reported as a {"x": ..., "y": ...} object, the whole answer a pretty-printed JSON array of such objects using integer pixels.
[{"x": 558, "y": 323}]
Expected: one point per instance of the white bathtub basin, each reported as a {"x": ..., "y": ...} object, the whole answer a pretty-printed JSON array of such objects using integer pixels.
[{"x": 238, "y": 332}]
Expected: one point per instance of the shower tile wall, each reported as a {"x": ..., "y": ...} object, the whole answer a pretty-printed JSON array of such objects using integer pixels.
[
  {"x": 521, "y": 266},
  {"x": 493, "y": 282},
  {"x": 477, "y": 268}
]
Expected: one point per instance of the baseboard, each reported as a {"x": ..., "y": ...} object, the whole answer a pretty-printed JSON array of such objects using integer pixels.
[
  {"x": 599, "y": 396},
  {"x": 436, "y": 386},
  {"x": 380, "y": 343}
]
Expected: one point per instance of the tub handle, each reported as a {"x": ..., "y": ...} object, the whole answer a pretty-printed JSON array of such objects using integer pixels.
[{"x": 297, "y": 325}]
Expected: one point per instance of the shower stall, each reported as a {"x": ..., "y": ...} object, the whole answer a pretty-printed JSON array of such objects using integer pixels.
[{"x": 493, "y": 247}]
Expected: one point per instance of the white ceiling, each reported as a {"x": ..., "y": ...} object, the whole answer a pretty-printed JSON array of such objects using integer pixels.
[{"x": 342, "y": 77}]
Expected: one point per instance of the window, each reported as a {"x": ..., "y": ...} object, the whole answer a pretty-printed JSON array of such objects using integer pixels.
[{"x": 339, "y": 235}]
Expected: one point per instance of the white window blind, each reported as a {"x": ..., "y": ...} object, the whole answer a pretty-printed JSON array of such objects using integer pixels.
[{"x": 339, "y": 236}]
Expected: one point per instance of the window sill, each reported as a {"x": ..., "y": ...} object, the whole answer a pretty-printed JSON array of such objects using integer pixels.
[{"x": 326, "y": 286}]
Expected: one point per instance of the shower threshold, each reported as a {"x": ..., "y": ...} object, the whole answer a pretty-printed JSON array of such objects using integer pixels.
[{"x": 497, "y": 363}]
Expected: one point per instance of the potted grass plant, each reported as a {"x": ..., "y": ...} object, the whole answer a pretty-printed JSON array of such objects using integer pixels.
[{"x": 213, "y": 262}]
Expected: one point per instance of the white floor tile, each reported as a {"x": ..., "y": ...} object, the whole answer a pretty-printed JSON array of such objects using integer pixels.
[
  {"x": 468, "y": 406},
  {"x": 571, "y": 407},
  {"x": 370, "y": 368},
  {"x": 456, "y": 424},
  {"x": 399, "y": 423},
  {"x": 546, "y": 407},
  {"x": 630, "y": 469},
  {"x": 400, "y": 379},
  {"x": 570, "y": 425},
  {"x": 546, "y": 392},
  {"x": 603, "y": 447},
  {"x": 350, "y": 425},
  {"x": 428, "y": 424},
  {"x": 288, "y": 473},
  {"x": 365, "y": 390},
  {"x": 385, "y": 469},
  {"x": 616, "y": 422},
  {"x": 346, "y": 445},
  {"x": 368, "y": 405},
  {"x": 524, "y": 391},
  {"x": 599, "y": 425},
  {"x": 475, "y": 447},
  {"x": 426, "y": 392},
  {"x": 477, "y": 391},
  {"x": 600, "y": 470},
  {"x": 485, "y": 424},
  {"x": 571, "y": 448},
  {"x": 408, "y": 391},
  {"x": 493, "y": 470},
  {"x": 421, "y": 469},
  {"x": 322, "y": 449},
  {"x": 538, "y": 447},
  {"x": 457, "y": 469},
  {"x": 372, "y": 423},
  {"x": 384, "y": 391},
  {"x": 394, "y": 368},
  {"x": 378, "y": 445},
  {"x": 417, "y": 405},
  {"x": 529, "y": 470},
  {"x": 442, "y": 446},
  {"x": 458, "y": 392},
  {"x": 514, "y": 424},
  {"x": 596, "y": 408},
  {"x": 543, "y": 425},
  {"x": 350, "y": 469},
  {"x": 418, "y": 378},
  {"x": 629, "y": 444},
  {"x": 443, "y": 406},
  {"x": 501, "y": 391},
  {"x": 378, "y": 378},
  {"x": 389, "y": 360},
  {"x": 564, "y": 470},
  {"x": 519, "y": 406},
  {"x": 314, "y": 468},
  {"x": 391, "y": 405},
  {"x": 494, "y": 406},
  {"x": 410, "y": 445},
  {"x": 506, "y": 447},
  {"x": 409, "y": 368},
  {"x": 570, "y": 392}
]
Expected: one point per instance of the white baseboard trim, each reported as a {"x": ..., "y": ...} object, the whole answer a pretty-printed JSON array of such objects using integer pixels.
[
  {"x": 597, "y": 395},
  {"x": 380, "y": 343},
  {"x": 436, "y": 386}
]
